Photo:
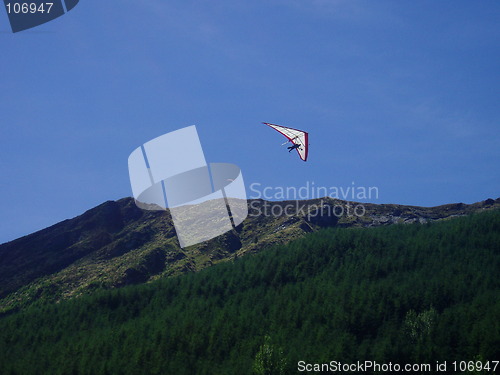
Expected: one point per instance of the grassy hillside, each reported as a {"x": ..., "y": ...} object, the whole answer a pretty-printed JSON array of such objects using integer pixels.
[
  {"x": 117, "y": 244},
  {"x": 413, "y": 293}
]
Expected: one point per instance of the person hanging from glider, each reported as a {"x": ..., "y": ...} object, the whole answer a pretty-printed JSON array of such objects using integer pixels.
[{"x": 298, "y": 138}]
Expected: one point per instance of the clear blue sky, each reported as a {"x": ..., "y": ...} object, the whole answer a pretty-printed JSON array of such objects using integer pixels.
[{"x": 402, "y": 95}]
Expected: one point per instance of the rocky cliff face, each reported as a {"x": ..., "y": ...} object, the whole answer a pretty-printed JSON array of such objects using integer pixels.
[{"x": 116, "y": 243}]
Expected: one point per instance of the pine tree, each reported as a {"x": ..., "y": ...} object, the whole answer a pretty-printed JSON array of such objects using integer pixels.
[{"x": 269, "y": 359}]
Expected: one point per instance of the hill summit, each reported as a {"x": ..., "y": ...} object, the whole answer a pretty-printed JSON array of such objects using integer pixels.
[{"x": 117, "y": 244}]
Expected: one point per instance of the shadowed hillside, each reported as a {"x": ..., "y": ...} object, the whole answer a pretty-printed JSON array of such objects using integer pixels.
[
  {"x": 405, "y": 294},
  {"x": 117, "y": 244}
]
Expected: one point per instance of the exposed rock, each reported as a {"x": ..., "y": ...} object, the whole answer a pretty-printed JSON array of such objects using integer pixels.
[{"x": 116, "y": 243}]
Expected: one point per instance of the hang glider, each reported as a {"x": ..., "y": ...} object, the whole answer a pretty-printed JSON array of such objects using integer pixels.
[{"x": 298, "y": 138}]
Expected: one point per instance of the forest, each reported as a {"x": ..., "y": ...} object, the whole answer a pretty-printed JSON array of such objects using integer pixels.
[{"x": 409, "y": 293}]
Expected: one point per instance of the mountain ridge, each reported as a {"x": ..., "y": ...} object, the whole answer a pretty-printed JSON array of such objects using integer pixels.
[{"x": 116, "y": 243}]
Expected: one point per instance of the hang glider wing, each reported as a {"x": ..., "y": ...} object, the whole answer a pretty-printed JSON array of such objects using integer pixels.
[{"x": 295, "y": 136}]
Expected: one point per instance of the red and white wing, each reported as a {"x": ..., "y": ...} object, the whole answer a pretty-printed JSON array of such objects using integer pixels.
[{"x": 295, "y": 136}]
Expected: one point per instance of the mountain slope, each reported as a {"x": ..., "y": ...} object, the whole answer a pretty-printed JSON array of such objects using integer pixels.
[
  {"x": 117, "y": 244},
  {"x": 401, "y": 294}
]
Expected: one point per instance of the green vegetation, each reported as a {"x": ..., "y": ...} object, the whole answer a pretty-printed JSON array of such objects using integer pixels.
[
  {"x": 117, "y": 244},
  {"x": 403, "y": 293}
]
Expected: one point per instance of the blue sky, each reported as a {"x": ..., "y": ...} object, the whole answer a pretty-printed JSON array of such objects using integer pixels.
[{"x": 398, "y": 95}]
